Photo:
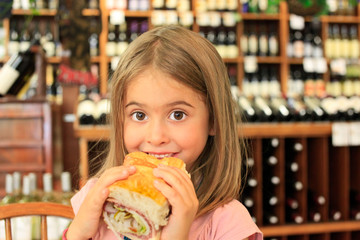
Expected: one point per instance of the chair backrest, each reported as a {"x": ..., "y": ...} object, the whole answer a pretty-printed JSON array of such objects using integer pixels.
[{"x": 41, "y": 209}]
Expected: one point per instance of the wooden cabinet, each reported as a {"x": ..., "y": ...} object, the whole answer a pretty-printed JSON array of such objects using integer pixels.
[{"x": 25, "y": 138}]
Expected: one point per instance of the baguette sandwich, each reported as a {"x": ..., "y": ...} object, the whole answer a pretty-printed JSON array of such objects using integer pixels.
[{"x": 135, "y": 208}]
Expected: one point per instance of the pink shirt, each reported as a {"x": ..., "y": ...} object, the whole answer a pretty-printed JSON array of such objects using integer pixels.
[{"x": 229, "y": 222}]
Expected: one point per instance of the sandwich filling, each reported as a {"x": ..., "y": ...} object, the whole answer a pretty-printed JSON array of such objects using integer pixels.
[{"x": 126, "y": 221}]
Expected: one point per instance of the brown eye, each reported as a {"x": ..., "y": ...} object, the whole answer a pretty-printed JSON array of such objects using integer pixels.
[
  {"x": 177, "y": 115},
  {"x": 139, "y": 116}
]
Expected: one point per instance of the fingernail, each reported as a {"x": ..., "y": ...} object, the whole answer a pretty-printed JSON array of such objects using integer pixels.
[{"x": 132, "y": 168}]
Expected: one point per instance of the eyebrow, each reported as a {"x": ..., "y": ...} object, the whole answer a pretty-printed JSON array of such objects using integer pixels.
[{"x": 169, "y": 105}]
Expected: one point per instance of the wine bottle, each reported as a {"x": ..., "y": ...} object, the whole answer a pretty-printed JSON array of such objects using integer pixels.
[
  {"x": 335, "y": 215},
  {"x": 318, "y": 114},
  {"x": 271, "y": 218},
  {"x": 294, "y": 186},
  {"x": 272, "y": 161},
  {"x": 123, "y": 42},
  {"x": 14, "y": 41},
  {"x": 355, "y": 214},
  {"x": 134, "y": 31},
  {"x": 273, "y": 43},
  {"x": 93, "y": 4},
  {"x": 263, "y": 42},
  {"x": 37, "y": 34},
  {"x": 253, "y": 45},
  {"x": 244, "y": 43},
  {"x": 298, "y": 44},
  {"x": 292, "y": 203},
  {"x": 264, "y": 83},
  {"x": 354, "y": 43},
  {"x": 295, "y": 218},
  {"x": 317, "y": 41},
  {"x": 9, "y": 190},
  {"x": 247, "y": 111},
  {"x": 221, "y": 42},
  {"x": 53, "y": 4},
  {"x": 17, "y": 71},
  {"x": 248, "y": 202},
  {"x": 336, "y": 41},
  {"x": 271, "y": 200},
  {"x": 17, "y": 186},
  {"x": 48, "y": 195},
  {"x": 254, "y": 85},
  {"x": 23, "y": 224},
  {"x": 40, "y": 4},
  {"x": 292, "y": 167},
  {"x": 49, "y": 42},
  {"x": 264, "y": 112},
  {"x": 280, "y": 109},
  {"x": 35, "y": 197},
  {"x": 111, "y": 41},
  {"x": 329, "y": 44},
  {"x": 102, "y": 110},
  {"x": 25, "y": 41},
  {"x": 252, "y": 182},
  {"x": 308, "y": 47},
  {"x": 274, "y": 85},
  {"x": 314, "y": 216},
  {"x": 315, "y": 199},
  {"x": 85, "y": 111},
  {"x": 34, "y": 193},
  {"x": 232, "y": 50},
  {"x": 94, "y": 39}
]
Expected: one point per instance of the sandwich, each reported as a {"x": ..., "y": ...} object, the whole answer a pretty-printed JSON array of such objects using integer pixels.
[{"x": 135, "y": 208}]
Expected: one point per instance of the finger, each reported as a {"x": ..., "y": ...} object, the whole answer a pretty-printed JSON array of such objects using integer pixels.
[
  {"x": 176, "y": 186},
  {"x": 116, "y": 173},
  {"x": 176, "y": 178}
]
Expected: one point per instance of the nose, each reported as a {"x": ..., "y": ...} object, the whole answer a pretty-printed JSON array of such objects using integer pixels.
[{"x": 157, "y": 133}]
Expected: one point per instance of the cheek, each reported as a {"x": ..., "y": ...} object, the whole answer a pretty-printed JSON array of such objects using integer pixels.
[{"x": 132, "y": 137}]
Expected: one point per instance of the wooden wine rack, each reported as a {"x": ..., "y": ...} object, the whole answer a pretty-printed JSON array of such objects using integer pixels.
[{"x": 327, "y": 170}]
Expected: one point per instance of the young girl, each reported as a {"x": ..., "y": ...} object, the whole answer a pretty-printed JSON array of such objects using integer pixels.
[{"x": 170, "y": 96}]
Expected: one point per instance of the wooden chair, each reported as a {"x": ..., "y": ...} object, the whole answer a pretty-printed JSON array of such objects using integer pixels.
[{"x": 35, "y": 208}]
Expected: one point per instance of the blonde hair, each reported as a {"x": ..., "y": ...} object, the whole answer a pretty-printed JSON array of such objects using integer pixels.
[{"x": 193, "y": 61}]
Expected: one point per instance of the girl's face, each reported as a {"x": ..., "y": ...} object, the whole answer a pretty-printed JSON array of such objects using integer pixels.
[{"x": 165, "y": 118}]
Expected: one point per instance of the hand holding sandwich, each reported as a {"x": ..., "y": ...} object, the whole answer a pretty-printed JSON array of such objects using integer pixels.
[
  {"x": 180, "y": 192},
  {"x": 87, "y": 220},
  {"x": 157, "y": 202}
]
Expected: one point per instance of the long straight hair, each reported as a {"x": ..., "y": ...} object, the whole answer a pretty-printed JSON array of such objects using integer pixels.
[{"x": 193, "y": 61}]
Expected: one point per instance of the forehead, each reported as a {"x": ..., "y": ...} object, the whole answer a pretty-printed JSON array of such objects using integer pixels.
[{"x": 152, "y": 83}]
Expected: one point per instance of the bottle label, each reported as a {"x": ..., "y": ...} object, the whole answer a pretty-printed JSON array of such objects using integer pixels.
[
  {"x": 110, "y": 49},
  {"x": 49, "y": 47},
  {"x": 354, "y": 48},
  {"x": 273, "y": 46},
  {"x": 8, "y": 76},
  {"x": 121, "y": 47},
  {"x": 13, "y": 47},
  {"x": 232, "y": 51},
  {"x": 158, "y": 4},
  {"x": 298, "y": 49},
  {"x": 24, "y": 45},
  {"x": 309, "y": 88},
  {"x": 329, "y": 48}
]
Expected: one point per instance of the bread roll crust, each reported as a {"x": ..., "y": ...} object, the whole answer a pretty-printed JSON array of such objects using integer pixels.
[{"x": 142, "y": 180}]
